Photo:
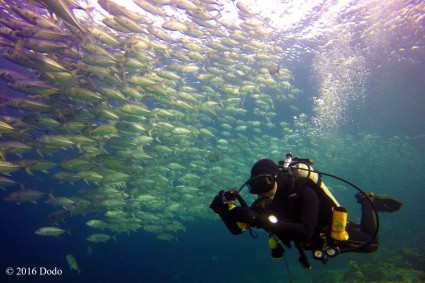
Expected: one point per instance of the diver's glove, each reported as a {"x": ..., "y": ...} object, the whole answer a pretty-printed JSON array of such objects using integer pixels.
[
  {"x": 247, "y": 215},
  {"x": 218, "y": 205}
]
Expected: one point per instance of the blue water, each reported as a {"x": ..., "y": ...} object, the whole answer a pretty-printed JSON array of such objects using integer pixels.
[{"x": 377, "y": 142}]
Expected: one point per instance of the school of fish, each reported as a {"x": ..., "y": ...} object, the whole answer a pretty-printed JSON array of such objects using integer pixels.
[
  {"x": 146, "y": 109},
  {"x": 135, "y": 118}
]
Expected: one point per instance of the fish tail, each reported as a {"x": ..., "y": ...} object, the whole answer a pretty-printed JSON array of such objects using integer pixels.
[
  {"x": 40, "y": 153},
  {"x": 28, "y": 170},
  {"x": 50, "y": 194}
]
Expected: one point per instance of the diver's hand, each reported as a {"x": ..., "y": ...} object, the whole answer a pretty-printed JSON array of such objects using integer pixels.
[
  {"x": 244, "y": 214},
  {"x": 218, "y": 205}
]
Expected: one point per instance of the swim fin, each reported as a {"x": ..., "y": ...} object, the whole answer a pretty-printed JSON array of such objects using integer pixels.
[{"x": 382, "y": 203}]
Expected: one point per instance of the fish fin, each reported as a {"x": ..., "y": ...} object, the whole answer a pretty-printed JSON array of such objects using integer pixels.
[
  {"x": 157, "y": 139},
  {"x": 28, "y": 170},
  {"x": 50, "y": 194},
  {"x": 167, "y": 53},
  {"x": 102, "y": 147},
  {"x": 88, "y": 8},
  {"x": 74, "y": 73},
  {"x": 39, "y": 153}
]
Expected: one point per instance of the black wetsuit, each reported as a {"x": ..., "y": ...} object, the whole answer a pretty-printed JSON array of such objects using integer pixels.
[
  {"x": 302, "y": 213},
  {"x": 363, "y": 233}
]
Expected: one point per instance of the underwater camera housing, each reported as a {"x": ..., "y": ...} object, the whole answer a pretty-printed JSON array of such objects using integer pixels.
[{"x": 232, "y": 195}]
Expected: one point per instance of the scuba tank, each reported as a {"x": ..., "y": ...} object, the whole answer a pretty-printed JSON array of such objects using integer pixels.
[{"x": 302, "y": 168}]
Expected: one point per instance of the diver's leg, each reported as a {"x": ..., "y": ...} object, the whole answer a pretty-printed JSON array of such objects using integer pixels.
[
  {"x": 367, "y": 222},
  {"x": 358, "y": 241},
  {"x": 382, "y": 203},
  {"x": 363, "y": 238}
]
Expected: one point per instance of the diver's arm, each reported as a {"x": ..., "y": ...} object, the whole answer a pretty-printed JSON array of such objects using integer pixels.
[
  {"x": 289, "y": 231},
  {"x": 223, "y": 210},
  {"x": 303, "y": 229},
  {"x": 234, "y": 227}
]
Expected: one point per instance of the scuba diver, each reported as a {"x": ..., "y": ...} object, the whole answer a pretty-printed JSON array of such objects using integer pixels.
[{"x": 294, "y": 205}]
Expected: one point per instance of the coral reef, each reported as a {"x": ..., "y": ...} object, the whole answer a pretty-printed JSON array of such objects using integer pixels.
[{"x": 402, "y": 265}]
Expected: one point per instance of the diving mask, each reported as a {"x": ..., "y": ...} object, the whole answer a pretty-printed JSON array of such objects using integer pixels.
[{"x": 261, "y": 184}]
